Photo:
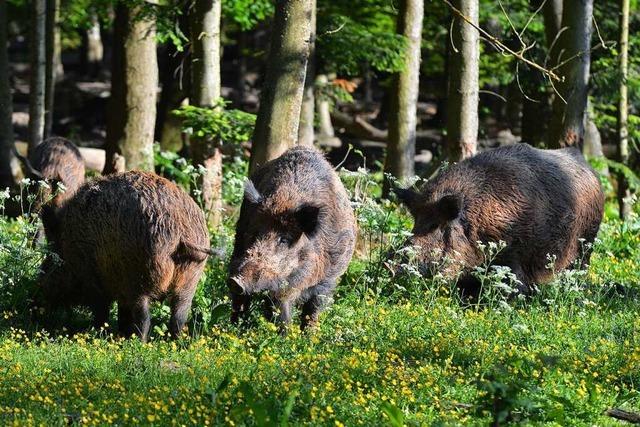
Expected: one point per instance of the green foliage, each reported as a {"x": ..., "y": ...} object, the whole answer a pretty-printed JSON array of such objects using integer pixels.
[
  {"x": 229, "y": 126},
  {"x": 352, "y": 35},
  {"x": 246, "y": 14}
]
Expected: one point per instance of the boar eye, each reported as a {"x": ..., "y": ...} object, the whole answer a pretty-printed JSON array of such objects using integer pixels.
[{"x": 285, "y": 240}]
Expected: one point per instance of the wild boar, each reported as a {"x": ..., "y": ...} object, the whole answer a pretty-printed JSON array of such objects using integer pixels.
[
  {"x": 294, "y": 238},
  {"x": 133, "y": 238},
  {"x": 539, "y": 202},
  {"x": 56, "y": 160}
]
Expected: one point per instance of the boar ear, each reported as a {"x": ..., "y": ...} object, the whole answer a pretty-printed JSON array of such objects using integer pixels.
[
  {"x": 308, "y": 217},
  {"x": 449, "y": 207},
  {"x": 251, "y": 193},
  {"x": 406, "y": 196}
]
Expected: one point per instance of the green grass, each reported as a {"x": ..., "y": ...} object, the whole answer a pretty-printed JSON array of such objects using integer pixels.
[{"x": 389, "y": 351}]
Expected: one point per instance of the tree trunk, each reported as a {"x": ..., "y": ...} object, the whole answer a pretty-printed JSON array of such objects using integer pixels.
[
  {"x": 567, "y": 119},
  {"x": 552, "y": 15},
  {"x": 54, "y": 72},
  {"x": 9, "y": 168},
  {"x": 134, "y": 84},
  {"x": 38, "y": 71},
  {"x": 205, "y": 91},
  {"x": 241, "y": 76},
  {"x": 462, "y": 114},
  {"x": 279, "y": 114},
  {"x": 401, "y": 149},
  {"x": 623, "y": 111},
  {"x": 93, "y": 49},
  {"x": 307, "y": 111}
]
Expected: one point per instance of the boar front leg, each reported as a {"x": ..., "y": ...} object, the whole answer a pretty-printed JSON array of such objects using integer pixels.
[{"x": 315, "y": 304}]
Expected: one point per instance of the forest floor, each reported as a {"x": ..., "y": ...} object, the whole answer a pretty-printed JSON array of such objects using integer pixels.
[{"x": 389, "y": 351}]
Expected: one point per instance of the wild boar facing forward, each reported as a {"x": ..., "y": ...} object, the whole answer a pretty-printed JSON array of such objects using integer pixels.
[
  {"x": 540, "y": 202},
  {"x": 294, "y": 238},
  {"x": 133, "y": 238}
]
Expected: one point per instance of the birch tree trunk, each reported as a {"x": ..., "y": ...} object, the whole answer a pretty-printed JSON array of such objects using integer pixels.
[
  {"x": 134, "y": 84},
  {"x": 54, "y": 71},
  {"x": 279, "y": 114},
  {"x": 569, "y": 108},
  {"x": 401, "y": 148},
  {"x": 307, "y": 111},
  {"x": 462, "y": 114},
  {"x": 38, "y": 73},
  {"x": 205, "y": 91},
  {"x": 623, "y": 111},
  {"x": 9, "y": 168}
]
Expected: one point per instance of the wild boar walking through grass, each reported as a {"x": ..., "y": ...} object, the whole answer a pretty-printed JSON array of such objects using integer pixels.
[
  {"x": 541, "y": 203},
  {"x": 295, "y": 236},
  {"x": 133, "y": 238}
]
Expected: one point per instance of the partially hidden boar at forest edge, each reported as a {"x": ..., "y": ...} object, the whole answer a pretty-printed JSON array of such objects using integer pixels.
[
  {"x": 58, "y": 161},
  {"x": 546, "y": 205},
  {"x": 133, "y": 238},
  {"x": 294, "y": 239}
]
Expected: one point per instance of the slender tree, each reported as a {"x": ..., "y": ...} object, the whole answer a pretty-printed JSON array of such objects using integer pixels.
[
  {"x": 9, "y": 168},
  {"x": 552, "y": 15},
  {"x": 92, "y": 48},
  {"x": 570, "y": 103},
  {"x": 38, "y": 67},
  {"x": 307, "y": 112},
  {"x": 134, "y": 83},
  {"x": 462, "y": 111},
  {"x": 401, "y": 148},
  {"x": 205, "y": 92},
  {"x": 279, "y": 114},
  {"x": 623, "y": 111},
  {"x": 54, "y": 70}
]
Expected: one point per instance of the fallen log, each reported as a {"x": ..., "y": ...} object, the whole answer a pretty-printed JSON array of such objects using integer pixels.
[
  {"x": 94, "y": 158},
  {"x": 358, "y": 127}
]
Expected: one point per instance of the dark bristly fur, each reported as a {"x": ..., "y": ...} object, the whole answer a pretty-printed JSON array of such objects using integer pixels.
[
  {"x": 295, "y": 236},
  {"x": 133, "y": 238},
  {"x": 537, "y": 201}
]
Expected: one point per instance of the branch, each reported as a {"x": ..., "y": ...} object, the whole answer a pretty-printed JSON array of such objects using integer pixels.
[
  {"x": 621, "y": 414},
  {"x": 502, "y": 46}
]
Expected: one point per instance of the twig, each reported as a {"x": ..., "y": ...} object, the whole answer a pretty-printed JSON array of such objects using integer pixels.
[
  {"x": 490, "y": 92},
  {"x": 532, "y": 16},
  {"x": 595, "y": 24},
  {"x": 329, "y": 32},
  {"x": 504, "y": 12},
  {"x": 621, "y": 414},
  {"x": 502, "y": 46}
]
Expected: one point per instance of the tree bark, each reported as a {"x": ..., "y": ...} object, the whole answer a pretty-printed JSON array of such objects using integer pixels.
[
  {"x": 134, "y": 84},
  {"x": 279, "y": 114},
  {"x": 401, "y": 149},
  {"x": 205, "y": 91},
  {"x": 9, "y": 168},
  {"x": 307, "y": 111},
  {"x": 567, "y": 119},
  {"x": 54, "y": 72},
  {"x": 462, "y": 114},
  {"x": 38, "y": 74},
  {"x": 623, "y": 111}
]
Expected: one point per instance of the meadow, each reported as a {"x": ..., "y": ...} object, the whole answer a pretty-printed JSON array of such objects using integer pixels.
[{"x": 393, "y": 349}]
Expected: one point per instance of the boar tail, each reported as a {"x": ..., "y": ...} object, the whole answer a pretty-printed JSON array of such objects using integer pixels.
[{"x": 196, "y": 252}]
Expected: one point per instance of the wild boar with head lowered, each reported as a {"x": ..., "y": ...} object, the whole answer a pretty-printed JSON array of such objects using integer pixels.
[
  {"x": 133, "y": 238},
  {"x": 56, "y": 160},
  {"x": 539, "y": 202},
  {"x": 294, "y": 238}
]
